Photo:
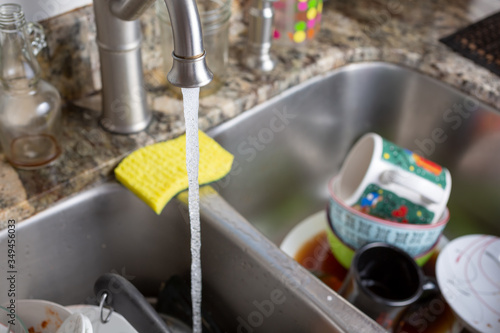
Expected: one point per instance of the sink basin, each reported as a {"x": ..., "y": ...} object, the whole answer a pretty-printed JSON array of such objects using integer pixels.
[
  {"x": 287, "y": 149},
  {"x": 248, "y": 282}
]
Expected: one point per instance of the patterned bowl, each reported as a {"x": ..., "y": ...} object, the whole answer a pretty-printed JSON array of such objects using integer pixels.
[{"x": 350, "y": 229}]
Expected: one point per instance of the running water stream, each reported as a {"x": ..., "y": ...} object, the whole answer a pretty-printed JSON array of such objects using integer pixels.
[{"x": 191, "y": 105}]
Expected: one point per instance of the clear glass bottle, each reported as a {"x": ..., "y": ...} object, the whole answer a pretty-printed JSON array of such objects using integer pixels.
[
  {"x": 214, "y": 16},
  {"x": 30, "y": 108}
]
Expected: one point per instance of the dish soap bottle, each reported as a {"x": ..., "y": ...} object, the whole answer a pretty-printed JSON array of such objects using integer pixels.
[{"x": 30, "y": 108}]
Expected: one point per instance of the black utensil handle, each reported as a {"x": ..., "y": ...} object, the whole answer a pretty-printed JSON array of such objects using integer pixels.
[{"x": 130, "y": 303}]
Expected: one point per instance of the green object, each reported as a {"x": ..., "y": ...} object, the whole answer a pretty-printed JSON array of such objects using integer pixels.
[
  {"x": 344, "y": 253},
  {"x": 414, "y": 163},
  {"x": 300, "y": 26},
  {"x": 387, "y": 205}
]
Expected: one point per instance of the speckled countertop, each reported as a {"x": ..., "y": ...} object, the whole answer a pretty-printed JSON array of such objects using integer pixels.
[{"x": 404, "y": 32}]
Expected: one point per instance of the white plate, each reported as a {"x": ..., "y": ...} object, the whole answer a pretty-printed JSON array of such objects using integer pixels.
[
  {"x": 76, "y": 323},
  {"x": 116, "y": 324},
  {"x": 468, "y": 273},
  {"x": 303, "y": 232},
  {"x": 43, "y": 316}
]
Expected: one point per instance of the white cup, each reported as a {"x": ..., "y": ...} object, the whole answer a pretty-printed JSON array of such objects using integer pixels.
[{"x": 382, "y": 179}]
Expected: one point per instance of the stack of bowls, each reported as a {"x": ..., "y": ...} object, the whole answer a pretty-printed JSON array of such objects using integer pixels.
[
  {"x": 350, "y": 229},
  {"x": 377, "y": 172}
]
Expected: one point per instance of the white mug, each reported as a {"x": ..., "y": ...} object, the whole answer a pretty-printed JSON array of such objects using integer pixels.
[{"x": 382, "y": 179}]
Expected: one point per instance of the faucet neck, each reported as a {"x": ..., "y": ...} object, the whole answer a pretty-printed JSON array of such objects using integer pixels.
[
  {"x": 184, "y": 16},
  {"x": 186, "y": 28}
]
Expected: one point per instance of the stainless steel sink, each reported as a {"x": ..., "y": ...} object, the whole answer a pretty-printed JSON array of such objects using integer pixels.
[
  {"x": 249, "y": 284},
  {"x": 288, "y": 148}
]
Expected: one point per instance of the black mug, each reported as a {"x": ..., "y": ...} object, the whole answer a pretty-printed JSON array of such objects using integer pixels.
[{"x": 383, "y": 281}]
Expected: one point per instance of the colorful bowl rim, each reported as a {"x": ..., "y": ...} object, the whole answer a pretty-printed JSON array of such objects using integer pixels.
[
  {"x": 441, "y": 222},
  {"x": 332, "y": 229}
]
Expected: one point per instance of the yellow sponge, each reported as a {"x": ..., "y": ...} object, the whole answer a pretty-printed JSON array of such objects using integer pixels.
[{"x": 156, "y": 173}]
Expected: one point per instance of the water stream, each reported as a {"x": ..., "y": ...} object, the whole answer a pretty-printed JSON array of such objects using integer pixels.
[{"x": 191, "y": 104}]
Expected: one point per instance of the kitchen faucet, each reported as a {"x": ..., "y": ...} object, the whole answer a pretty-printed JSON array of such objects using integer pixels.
[{"x": 119, "y": 39}]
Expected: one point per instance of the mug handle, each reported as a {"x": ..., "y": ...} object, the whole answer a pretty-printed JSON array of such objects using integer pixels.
[
  {"x": 425, "y": 188},
  {"x": 430, "y": 290},
  {"x": 430, "y": 286}
]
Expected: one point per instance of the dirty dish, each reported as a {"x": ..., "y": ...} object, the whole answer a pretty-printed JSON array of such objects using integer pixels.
[
  {"x": 303, "y": 232},
  {"x": 382, "y": 179},
  {"x": 468, "y": 271},
  {"x": 41, "y": 316},
  {"x": 121, "y": 295},
  {"x": 344, "y": 253},
  {"x": 76, "y": 323},
  {"x": 355, "y": 229},
  {"x": 116, "y": 323},
  {"x": 313, "y": 225},
  {"x": 383, "y": 281},
  {"x": 8, "y": 317}
]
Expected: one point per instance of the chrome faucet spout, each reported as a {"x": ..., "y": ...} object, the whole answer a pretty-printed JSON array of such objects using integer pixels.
[
  {"x": 119, "y": 40},
  {"x": 189, "y": 68},
  {"x": 186, "y": 28},
  {"x": 129, "y": 10}
]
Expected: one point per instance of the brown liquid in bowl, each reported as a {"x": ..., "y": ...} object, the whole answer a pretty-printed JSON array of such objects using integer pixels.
[{"x": 431, "y": 315}]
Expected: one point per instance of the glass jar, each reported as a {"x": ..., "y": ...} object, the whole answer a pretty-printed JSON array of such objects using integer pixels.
[
  {"x": 214, "y": 16},
  {"x": 30, "y": 108}
]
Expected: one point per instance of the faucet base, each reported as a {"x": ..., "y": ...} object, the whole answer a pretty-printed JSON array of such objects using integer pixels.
[
  {"x": 108, "y": 126},
  {"x": 125, "y": 109},
  {"x": 263, "y": 62}
]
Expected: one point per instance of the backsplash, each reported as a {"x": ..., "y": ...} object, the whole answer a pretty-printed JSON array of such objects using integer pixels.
[{"x": 71, "y": 60}]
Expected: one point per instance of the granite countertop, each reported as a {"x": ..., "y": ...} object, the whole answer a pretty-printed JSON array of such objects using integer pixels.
[{"x": 404, "y": 32}]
